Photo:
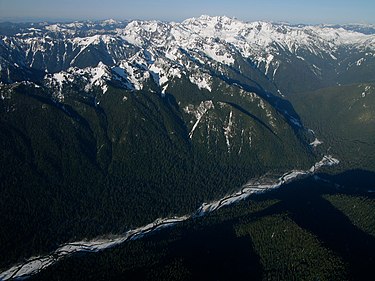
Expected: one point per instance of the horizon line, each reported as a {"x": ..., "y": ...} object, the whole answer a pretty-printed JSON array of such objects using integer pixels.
[{"x": 27, "y": 20}]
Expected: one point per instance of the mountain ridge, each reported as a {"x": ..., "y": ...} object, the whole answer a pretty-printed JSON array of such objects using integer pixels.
[{"x": 276, "y": 50}]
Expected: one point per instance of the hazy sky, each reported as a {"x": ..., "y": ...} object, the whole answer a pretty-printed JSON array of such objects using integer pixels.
[{"x": 294, "y": 11}]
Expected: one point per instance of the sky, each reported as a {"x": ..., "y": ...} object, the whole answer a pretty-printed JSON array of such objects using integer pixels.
[{"x": 293, "y": 11}]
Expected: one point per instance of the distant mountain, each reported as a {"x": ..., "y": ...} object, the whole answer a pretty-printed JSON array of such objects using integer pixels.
[
  {"x": 314, "y": 56},
  {"x": 361, "y": 28}
]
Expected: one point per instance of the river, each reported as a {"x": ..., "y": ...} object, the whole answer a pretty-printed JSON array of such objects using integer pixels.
[{"x": 35, "y": 265}]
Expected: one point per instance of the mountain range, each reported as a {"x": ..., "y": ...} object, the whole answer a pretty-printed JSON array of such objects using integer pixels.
[{"x": 109, "y": 125}]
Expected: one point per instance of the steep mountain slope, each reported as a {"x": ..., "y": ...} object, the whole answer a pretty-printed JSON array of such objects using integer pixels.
[
  {"x": 71, "y": 166},
  {"x": 83, "y": 157}
]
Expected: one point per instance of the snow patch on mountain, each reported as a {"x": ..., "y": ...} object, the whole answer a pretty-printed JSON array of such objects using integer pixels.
[
  {"x": 198, "y": 113},
  {"x": 56, "y": 82},
  {"x": 132, "y": 72},
  {"x": 98, "y": 77},
  {"x": 91, "y": 77},
  {"x": 202, "y": 80},
  {"x": 218, "y": 54},
  {"x": 229, "y": 130},
  {"x": 316, "y": 142}
]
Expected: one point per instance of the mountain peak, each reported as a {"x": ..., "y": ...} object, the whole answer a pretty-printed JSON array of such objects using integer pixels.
[
  {"x": 222, "y": 18},
  {"x": 211, "y": 20},
  {"x": 175, "y": 48},
  {"x": 109, "y": 21}
]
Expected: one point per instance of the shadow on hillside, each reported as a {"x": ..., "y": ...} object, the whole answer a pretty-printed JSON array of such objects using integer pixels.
[
  {"x": 281, "y": 105},
  {"x": 246, "y": 112},
  {"x": 216, "y": 253},
  {"x": 202, "y": 250},
  {"x": 304, "y": 202}
]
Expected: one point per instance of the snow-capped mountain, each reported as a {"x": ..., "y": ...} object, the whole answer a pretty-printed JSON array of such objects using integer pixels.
[
  {"x": 209, "y": 65},
  {"x": 168, "y": 50},
  {"x": 223, "y": 59},
  {"x": 270, "y": 59}
]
